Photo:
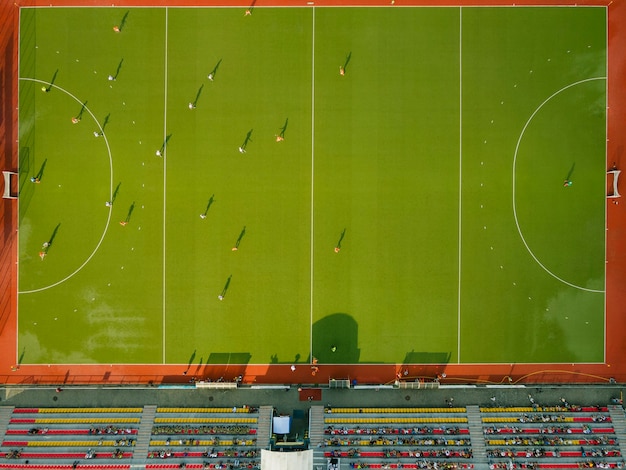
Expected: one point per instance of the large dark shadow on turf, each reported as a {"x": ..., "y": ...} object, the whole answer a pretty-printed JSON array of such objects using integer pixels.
[
  {"x": 335, "y": 339},
  {"x": 229, "y": 358},
  {"x": 425, "y": 357}
]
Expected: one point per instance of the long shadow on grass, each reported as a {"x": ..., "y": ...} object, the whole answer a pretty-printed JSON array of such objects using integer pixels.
[{"x": 336, "y": 339}]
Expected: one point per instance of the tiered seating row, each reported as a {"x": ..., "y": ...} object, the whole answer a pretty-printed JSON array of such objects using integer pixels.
[
  {"x": 392, "y": 420},
  {"x": 399, "y": 437},
  {"x": 205, "y": 438},
  {"x": 550, "y": 438},
  {"x": 214, "y": 410},
  {"x": 76, "y": 410},
  {"x": 388, "y": 411},
  {"x": 31, "y": 466},
  {"x": 46, "y": 435}
]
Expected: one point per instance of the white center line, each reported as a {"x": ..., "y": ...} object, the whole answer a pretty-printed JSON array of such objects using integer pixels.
[
  {"x": 164, "y": 154},
  {"x": 458, "y": 326},
  {"x": 312, "y": 175}
]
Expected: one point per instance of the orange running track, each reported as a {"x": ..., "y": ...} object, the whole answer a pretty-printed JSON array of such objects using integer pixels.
[{"x": 615, "y": 366}]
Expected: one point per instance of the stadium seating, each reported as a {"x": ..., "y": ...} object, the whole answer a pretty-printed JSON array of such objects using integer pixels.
[
  {"x": 225, "y": 438},
  {"x": 557, "y": 437},
  {"x": 104, "y": 436},
  {"x": 205, "y": 438},
  {"x": 398, "y": 437}
]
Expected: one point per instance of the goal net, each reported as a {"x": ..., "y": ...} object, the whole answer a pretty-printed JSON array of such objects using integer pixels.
[{"x": 612, "y": 179}]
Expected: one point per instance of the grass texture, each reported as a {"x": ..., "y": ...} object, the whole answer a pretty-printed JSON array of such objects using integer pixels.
[{"x": 435, "y": 164}]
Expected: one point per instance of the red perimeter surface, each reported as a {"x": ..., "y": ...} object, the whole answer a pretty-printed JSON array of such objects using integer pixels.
[{"x": 615, "y": 366}]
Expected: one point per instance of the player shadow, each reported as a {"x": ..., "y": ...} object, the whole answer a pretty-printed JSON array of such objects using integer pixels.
[
  {"x": 191, "y": 358},
  {"x": 225, "y": 289},
  {"x": 103, "y": 126},
  {"x": 246, "y": 141},
  {"x": 117, "y": 71},
  {"x": 115, "y": 193},
  {"x": 79, "y": 116},
  {"x": 123, "y": 22},
  {"x": 213, "y": 72},
  {"x": 341, "y": 237},
  {"x": 200, "y": 362},
  {"x": 161, "y": 151},
  {"x": 54, "y": 234},
  {"x": 39, "y": 176},
  {"x": 21, "y": 358},
  {"x": 281, "y": 134},
  {"x": 571, "y": 171},
  {"x": 48, "y": 244},
  {"x": 129, "y": 214},
  {"x": 106, "y": 121},
  {"x": 241, "y": 235},
  {"x": 251, "y": 7},
  {"x": 195, "y": 101},
  {"x": 208, "y": 206},
  {"x": 345, "y": 65},
  {"x": 51, "y": 83}
]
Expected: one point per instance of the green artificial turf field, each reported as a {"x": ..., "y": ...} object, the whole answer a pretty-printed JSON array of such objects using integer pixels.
[{"x": 436, "y": 164}]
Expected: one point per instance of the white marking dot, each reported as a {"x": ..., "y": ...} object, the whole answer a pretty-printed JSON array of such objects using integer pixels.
[
  {"x": 567, "y": 318},
  {"x": 501, "y": 267},
  {"x": 491, "y": 247},
  {"x": 109, "y": 284},
  {"x": 55, "y": 318},
  {"x": 515, "y": 86},
  {"x": 34, "y": 323},
  {"x": 484, "y": 227},
  {"x": 122, "y": 267}
]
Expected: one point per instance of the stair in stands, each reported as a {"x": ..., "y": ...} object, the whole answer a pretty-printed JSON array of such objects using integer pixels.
[
  {"x": 475, "y": 424},
  {"x": 316, "y": 436},
  {"x": 264, "y": 424},
  {"x": 144, "y": 433},
  {"x": 619, "y": 425},
  {"x": 5, "y": 417}
]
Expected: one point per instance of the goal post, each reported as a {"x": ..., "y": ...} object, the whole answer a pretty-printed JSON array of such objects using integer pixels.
[
  {"x": 10, "y": 184},
  {"x": 612, "y": 191}
]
